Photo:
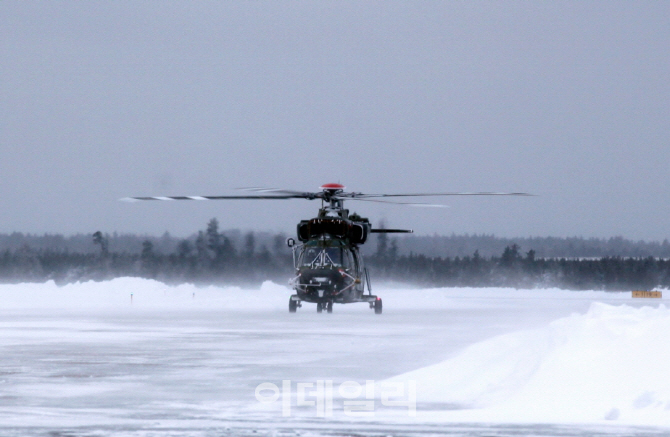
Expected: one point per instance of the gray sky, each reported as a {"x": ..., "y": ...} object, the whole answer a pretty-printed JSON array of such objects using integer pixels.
[{"x": 566, "y": 100}]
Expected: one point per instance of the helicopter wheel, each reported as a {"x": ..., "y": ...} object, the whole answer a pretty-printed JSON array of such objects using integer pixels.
[
  {"x": 292, "y": 306},
  {"x": 319, "y": 307},
  {"x": 329, "y": 306},
  {"x": 378, "y": 306}
]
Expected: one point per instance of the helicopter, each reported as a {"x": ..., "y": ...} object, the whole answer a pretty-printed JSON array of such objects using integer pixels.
[{"x": 328, "y": 265}]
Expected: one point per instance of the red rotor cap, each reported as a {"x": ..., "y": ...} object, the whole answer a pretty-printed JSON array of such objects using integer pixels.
[{"x": 332, "y": 187}]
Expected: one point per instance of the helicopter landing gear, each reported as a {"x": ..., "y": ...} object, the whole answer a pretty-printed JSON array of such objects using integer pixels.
[
  {"x": 328, "y": 306},
  {"x": 294, "y": 303},
  {"x": 378, "y": 306}
]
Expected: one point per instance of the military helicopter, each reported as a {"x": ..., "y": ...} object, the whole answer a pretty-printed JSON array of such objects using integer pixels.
[{"x": 328, "y": 264}]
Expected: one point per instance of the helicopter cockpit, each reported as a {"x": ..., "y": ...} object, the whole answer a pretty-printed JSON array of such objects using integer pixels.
[
  {"x": 325, "y": 253},
  {"x": 328, "y": 270}
]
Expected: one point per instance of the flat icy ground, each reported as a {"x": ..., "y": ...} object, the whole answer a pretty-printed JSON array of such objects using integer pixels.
[{"x": 82, "y": 360}]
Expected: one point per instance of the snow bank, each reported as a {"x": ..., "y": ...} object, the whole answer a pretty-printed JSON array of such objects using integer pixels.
[
  {"x": 139, "y": 294},
  {"x": 490, "y": 297},
  {"x": 151, "y": 294},
  {"x": 610, "y": 364}
]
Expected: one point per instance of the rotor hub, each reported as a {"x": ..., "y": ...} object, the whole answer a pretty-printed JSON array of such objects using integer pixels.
[
  {"x": 332, "y": 187},
  {"x": 330, "y": 192}
]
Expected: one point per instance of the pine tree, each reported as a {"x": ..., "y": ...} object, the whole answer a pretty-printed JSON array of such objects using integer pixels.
[{"x": 103, "y": 242}]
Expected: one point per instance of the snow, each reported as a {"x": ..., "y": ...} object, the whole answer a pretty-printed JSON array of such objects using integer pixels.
[
  {"x": 143, "y": 294},
  {"x": 611, "y": 363},
  {"x": 85, "y": 356}
]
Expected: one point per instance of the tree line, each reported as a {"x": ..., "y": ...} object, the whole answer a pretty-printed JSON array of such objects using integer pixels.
[
  {"x": 524, "y": 270},
  {"x": 213, "y": 256},
  {"x": 431, "y": 246}
]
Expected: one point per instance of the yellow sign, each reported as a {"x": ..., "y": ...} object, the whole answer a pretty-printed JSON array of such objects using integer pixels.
[{"x": 656, "y": 294}]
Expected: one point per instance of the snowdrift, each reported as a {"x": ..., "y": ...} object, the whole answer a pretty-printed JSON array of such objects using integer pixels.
[
  {"x": 610, "y": 364},
  {"x": 139, "y": 294},
  {"x": 148, "y": 294}
]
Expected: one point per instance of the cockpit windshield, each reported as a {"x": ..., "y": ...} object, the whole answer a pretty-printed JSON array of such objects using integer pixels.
[{"x": 331, "y": 256}]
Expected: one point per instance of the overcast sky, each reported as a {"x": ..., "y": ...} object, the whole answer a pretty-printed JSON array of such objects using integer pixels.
[{"x": 566, "y": 100}]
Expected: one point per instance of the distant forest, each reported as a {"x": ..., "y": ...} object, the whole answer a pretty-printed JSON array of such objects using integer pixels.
[{"x": 213, "y": 256}]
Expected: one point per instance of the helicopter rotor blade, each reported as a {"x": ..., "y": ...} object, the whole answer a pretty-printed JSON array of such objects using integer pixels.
[
  {"x": 171, "y": 198},
  {"x": 279, "y": 191},
  {"x": 416, "y": 204},
  {"x": 361, "y": 195}
]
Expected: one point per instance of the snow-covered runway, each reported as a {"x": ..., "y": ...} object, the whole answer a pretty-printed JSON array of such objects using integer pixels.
[{"x": 86, "y": 360}]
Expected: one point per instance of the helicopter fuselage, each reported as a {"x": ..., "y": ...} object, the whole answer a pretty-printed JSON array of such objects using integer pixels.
[
  {"x": 328, "y": 264},
  {"x": 329, "y": 270}
]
